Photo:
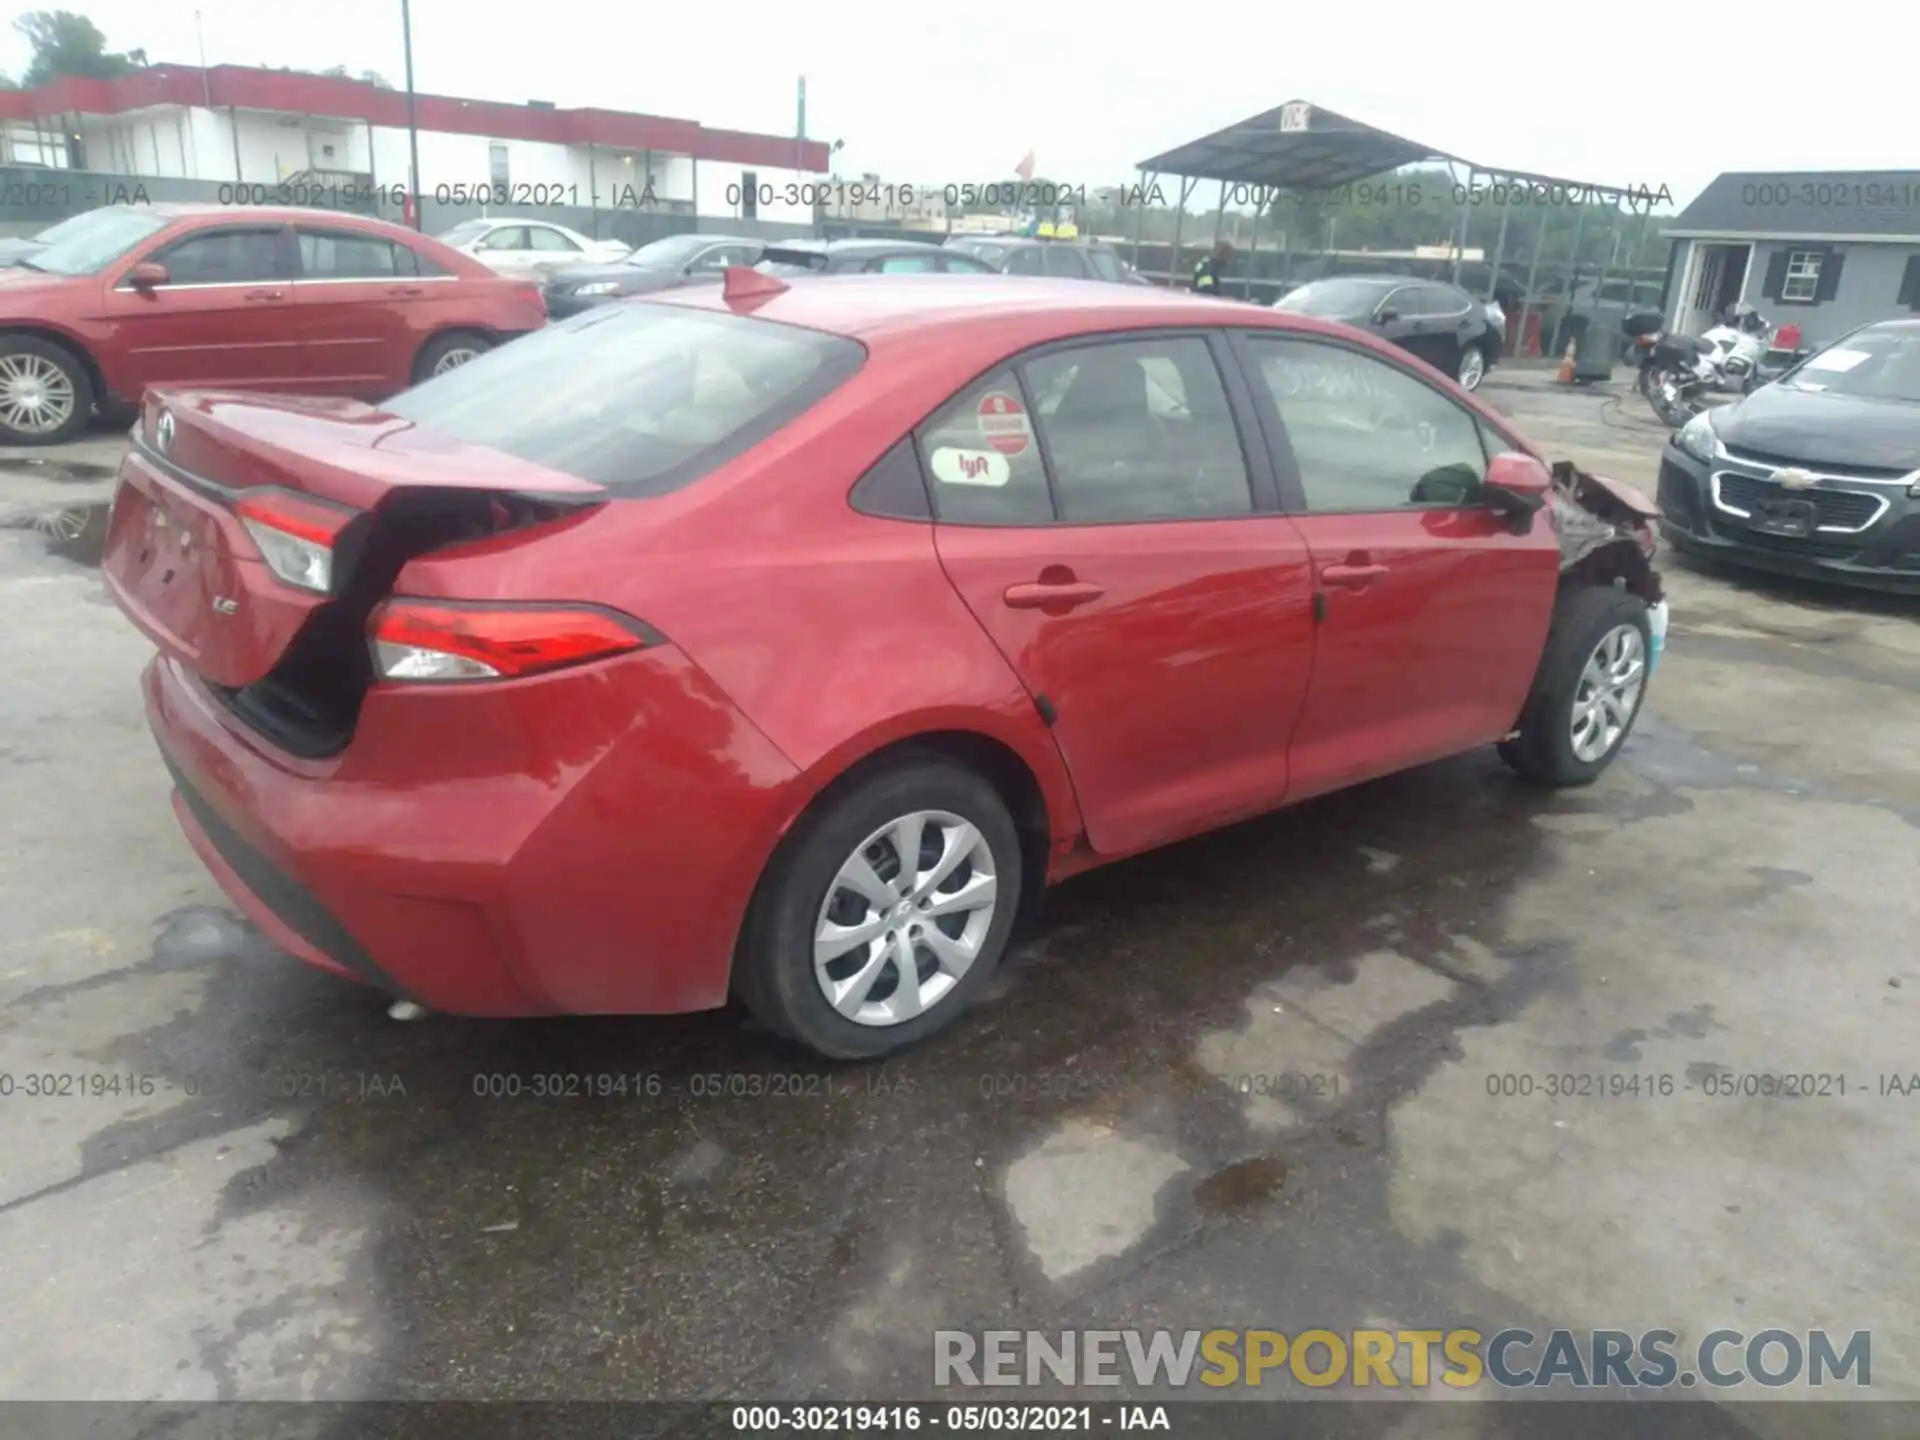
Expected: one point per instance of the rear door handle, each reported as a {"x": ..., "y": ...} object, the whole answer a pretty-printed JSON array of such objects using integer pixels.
[
  {"x": 1045, "y": 595},
  {"x": 1352, "y": 577},
  {"x": 265, "y": 295},
  {"x": 408, "y": 290}
]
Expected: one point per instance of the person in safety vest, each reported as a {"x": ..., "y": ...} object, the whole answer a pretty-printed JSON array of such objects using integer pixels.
[{"x": 1207, "y": 274}]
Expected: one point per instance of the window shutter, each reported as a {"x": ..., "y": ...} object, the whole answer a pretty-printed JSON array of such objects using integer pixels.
[
  {"x": 1829, "y": 283},
  {"x": 1909, "y": 295},
  {"x": 1776, "y": 275}
]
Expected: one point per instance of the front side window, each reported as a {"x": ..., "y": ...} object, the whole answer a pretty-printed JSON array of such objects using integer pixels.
[
  {"x": 223, "y": 257},
  {"x": 1365, "y": 434},
  {"x": 1139, "y": 430},
  {"x": 550, "y": 240},
  {"x": 507, "y": 237},
  {"x": 640, "y": 398}
]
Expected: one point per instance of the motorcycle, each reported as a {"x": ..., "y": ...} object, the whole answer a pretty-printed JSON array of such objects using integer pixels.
[{"x": 1677, "y": 370}]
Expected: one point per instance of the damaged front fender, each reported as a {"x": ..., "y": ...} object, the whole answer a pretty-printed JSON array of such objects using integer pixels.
[{"x": 1606, "y": 532}]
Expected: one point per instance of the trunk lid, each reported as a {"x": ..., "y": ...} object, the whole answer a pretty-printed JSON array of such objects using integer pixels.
[{"x": 183, "y": 564}]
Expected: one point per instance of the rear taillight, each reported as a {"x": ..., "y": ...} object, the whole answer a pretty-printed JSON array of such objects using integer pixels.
[
  {"x": 295, "y": 534},
  {"x": 422, "y": 640}
]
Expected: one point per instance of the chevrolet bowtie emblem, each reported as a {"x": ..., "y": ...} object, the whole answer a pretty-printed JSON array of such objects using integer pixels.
[{"x": 1797, "y": 479}]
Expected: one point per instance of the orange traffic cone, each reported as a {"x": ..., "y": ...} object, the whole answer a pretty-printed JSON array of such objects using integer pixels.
[{"x": 1565, "y": 377}]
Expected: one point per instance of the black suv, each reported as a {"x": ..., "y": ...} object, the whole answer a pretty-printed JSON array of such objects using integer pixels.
[
  {"x": 1065, "y": 259},
  {"x": 887, "y": 257}
]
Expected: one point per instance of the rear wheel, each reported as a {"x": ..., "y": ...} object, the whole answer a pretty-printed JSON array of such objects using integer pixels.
[
  {"x": 1588, "y": 689},
  {"x": 885, "y": 913},
  {"x": 449, "y": 352},
  {"x": 45, "y": 395}
]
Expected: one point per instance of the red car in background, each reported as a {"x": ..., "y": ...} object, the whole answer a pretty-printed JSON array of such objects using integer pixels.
[
  {"x": 798, "y": 636},
  {"x": 298, "y": 301}
]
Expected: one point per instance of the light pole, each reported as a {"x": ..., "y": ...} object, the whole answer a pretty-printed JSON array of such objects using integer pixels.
[{"x": 413, "y": 128}]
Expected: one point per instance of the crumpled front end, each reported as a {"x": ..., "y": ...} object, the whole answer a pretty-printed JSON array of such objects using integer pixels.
[{"x": 1606, "y": 535}]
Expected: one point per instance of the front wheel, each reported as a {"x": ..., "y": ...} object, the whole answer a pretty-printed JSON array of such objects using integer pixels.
[
  {"x": 1660, "y": 387},
  {"x": 1588, "y": 689},
  {"x": 885, "y": 912},
  {"x": 1472, "y": 368},
  {"x": 45, "y": 395}
]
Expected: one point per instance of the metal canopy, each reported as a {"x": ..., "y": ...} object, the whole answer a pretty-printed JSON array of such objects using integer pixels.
[{"x": 1298, "y": 146}]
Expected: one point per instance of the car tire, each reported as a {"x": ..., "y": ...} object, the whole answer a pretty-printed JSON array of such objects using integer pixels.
[
  {"x": 1470, "y": 367},
  {"x": 46, "y": 395},
  {"x": 449, "y": 351},
  {"x": 805, "y": 891},
  {"x": 1580, "y": 709}
]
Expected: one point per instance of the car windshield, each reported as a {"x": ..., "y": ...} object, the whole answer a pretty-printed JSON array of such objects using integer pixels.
[
  {"x": 464, "y": 232},
  {"x": 669, "y": 250},
  {"x": 644, "y": 398},
  {"x": 1872, "y": 365},
  {"x": 93, "y": 241},
  {"x": 1334, "y": 297}
]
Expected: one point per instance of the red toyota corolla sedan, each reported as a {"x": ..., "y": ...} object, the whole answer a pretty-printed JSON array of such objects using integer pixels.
[
  {"x": 794, "y": 636},
  {"x": 297, "y": 301}
]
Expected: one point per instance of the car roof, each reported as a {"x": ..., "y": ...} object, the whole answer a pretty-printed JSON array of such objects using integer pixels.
[
  {"x": 275, "y": 215},
  {"x": 852, "y": 245},
  {"x": 876, "y": 306},
  {"x": 994, "y": 238}
]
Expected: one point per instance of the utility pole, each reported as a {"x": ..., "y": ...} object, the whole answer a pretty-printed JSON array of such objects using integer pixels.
[{"x": 413, "y": 127}]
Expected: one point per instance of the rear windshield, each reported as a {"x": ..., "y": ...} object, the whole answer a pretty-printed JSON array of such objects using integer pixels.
[{"x": 637, "y": 397}]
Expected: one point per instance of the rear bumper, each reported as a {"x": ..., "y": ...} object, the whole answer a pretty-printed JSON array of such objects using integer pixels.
[
  {"x": 533, "y": 851},
  {"x": 1884, "y": 557}
]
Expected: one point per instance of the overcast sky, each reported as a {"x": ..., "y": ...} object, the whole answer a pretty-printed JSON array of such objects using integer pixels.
[{"x": 942, "y": 93}]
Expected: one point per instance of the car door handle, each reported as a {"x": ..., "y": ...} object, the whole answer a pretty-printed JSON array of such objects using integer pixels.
[
  {"x": 407, "y": 290},
  {"x": 1046, "y": 594},
  {"x": 265, "y": 295},
  {"x": 1352, "y": 577}
]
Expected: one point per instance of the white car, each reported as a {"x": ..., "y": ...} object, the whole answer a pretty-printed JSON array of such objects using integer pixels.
[{"x": 528, "y": 249}]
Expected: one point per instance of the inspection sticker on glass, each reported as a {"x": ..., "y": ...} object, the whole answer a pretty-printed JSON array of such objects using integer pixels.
[
  {"x": 971, "y": 467},
  {"x": 1841, "y": 360}
]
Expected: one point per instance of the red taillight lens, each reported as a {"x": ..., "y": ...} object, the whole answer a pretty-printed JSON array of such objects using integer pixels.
[
  {"x": 421, "y": 640},
  {"x": 295, "y": 534}
]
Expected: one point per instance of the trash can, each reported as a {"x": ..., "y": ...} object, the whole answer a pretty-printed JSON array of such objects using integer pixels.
[{"x": 1597, "y": 348}]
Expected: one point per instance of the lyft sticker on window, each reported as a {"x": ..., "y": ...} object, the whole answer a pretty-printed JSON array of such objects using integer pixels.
[{"x": 971, "y": 467}]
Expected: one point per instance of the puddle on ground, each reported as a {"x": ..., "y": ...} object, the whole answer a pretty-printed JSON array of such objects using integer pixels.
[
  {"x": 77, "y": 471},
  {"x": 1239, "y": 1186},
  {"x": 73, "y": 532}
]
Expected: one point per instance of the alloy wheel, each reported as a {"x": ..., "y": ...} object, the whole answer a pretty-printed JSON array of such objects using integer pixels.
[
  {"x": 905, "y": 918},
  {"x": 1473, "y": 368},
  {"x": 36, "y": 395},
  {"x": 455, "y": 358},
  {"x": 1608, "y": 692}
]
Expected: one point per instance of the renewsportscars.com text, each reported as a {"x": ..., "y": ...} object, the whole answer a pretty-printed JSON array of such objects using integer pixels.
[{"x": 1459, "y": 1358}]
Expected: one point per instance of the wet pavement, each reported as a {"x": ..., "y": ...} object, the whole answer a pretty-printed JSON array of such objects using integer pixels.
[{"x": 1259, "y": 1079}]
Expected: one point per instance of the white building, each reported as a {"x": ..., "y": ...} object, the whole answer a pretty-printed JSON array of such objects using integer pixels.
[{"x": 271, "y": 129}]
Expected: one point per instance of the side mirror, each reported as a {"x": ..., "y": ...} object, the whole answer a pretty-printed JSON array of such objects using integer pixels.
[
  {"x": 1516, "y": 489},
  {"x": 147, "y": 275},
  {"x": 1385, "y": 317}
]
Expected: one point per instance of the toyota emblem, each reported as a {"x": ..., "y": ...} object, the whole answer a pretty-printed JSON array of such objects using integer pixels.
[
  {"x": 1797, "y": 479},
  {"x": 163, "y": 432}
]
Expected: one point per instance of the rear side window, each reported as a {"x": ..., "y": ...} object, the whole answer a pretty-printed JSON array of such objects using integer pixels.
[
  {"x": 1064, "y": 261},
  {"x": 980, "y": 451},
  {"x": 343, "y": 255},
  {"x": 640, "y": 398}
]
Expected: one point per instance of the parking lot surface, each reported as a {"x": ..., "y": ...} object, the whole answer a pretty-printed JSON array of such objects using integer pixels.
[{"x": 1277, "y": 1076}]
